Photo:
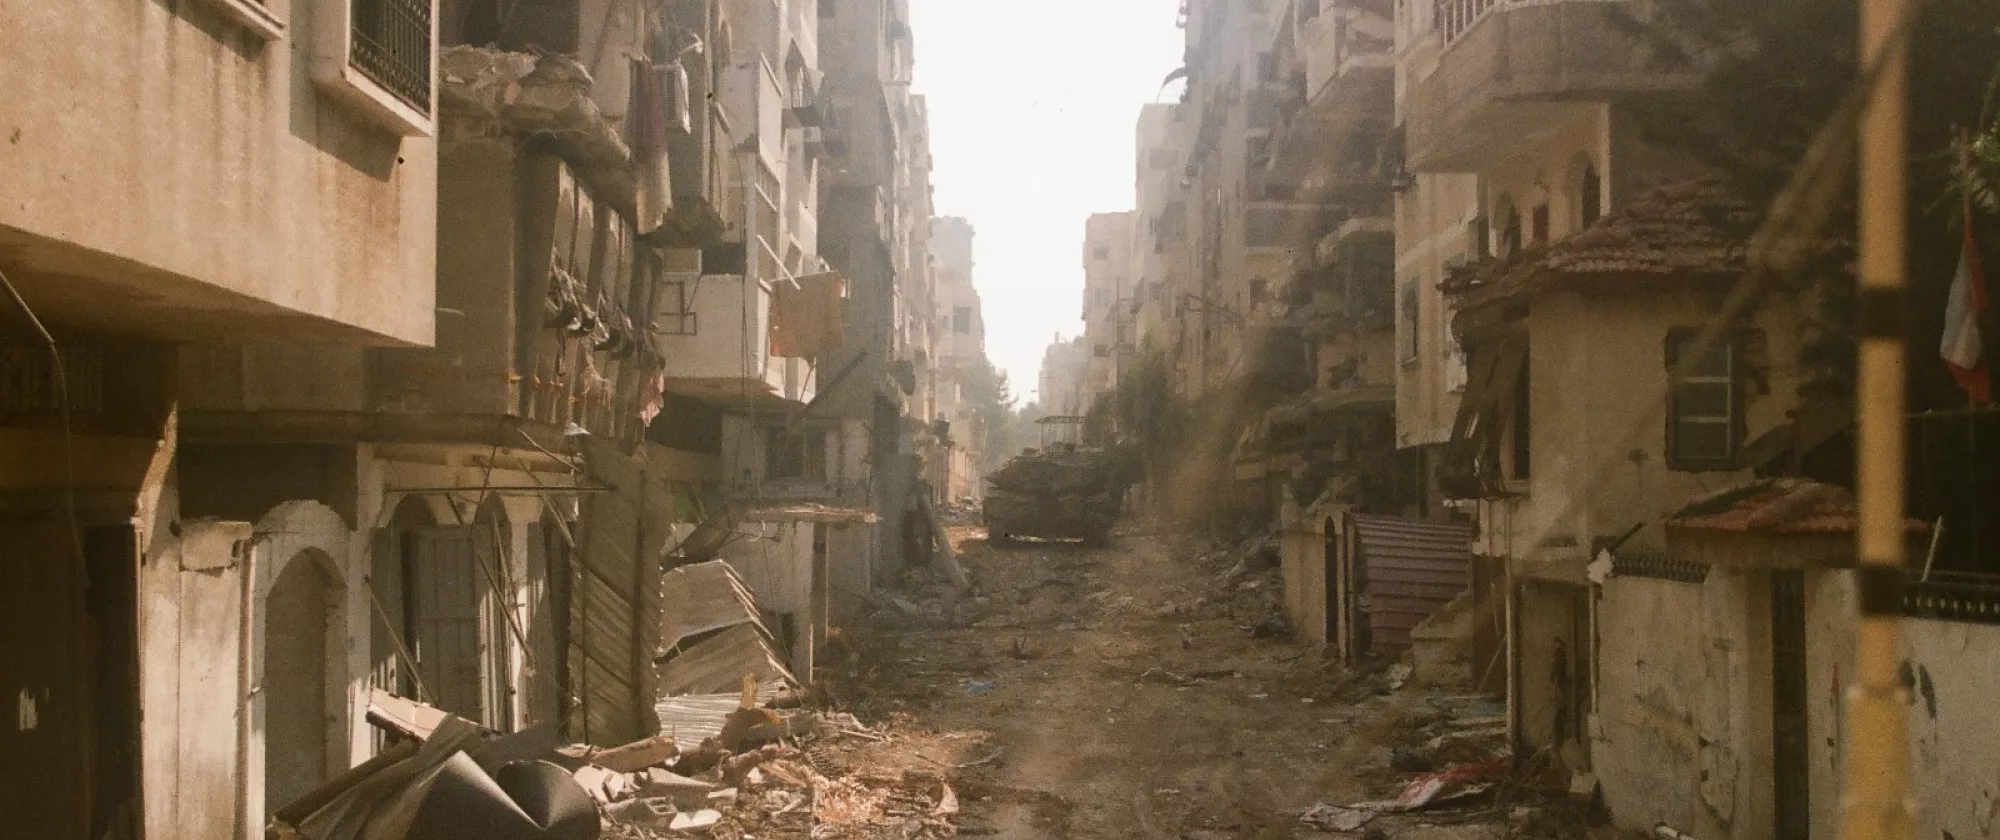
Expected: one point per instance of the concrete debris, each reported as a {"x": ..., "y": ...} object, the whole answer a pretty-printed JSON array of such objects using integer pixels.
[
  {"x": 695, "y": 822},
  {"x": 491, "y": 92},
  {"x": 1338, "y": 817},
  {"x": 635, "y": 756},
  {"x": 654, "y": 812}
]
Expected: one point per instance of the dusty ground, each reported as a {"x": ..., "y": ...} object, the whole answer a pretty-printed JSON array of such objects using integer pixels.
[{"x": 1121, "y": 692}]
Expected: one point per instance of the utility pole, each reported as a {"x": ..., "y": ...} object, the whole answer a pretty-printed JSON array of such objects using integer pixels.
[{"x": 1877, "y": 804}]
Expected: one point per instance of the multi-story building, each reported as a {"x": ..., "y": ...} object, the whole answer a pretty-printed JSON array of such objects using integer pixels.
[
  {"x": 1159, "y": 230},
  {"x": 1061, "y": 390},
  {"x": 345, "y": 435},
  {"x": 183, "y": 175},
  {"x": 961, "y": 348},
  {"x": 1108, "y": 288},
  {"x": 882, "y": 391}
]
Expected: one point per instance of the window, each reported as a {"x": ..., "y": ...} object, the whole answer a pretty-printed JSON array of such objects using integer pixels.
[
  {"x": 1509, "y": 242},
  {"x": 1100, "y": 252},
  {"x": 961, "y": 319},
  {"x": 1258, "y": 289},
  {"x": 1412, "y": 323},
  {"x": 376, "y": 56},
  {"x": 794, "y": 454},
  {"x": 1455, "y": 362},
  {"x": 826, "y": 8},
  {"x": 1523, "y": 415},
  {"x": 1705, "y": 407},
  {"x": 1590, "y": 196},
  {"x": 392, "y": 45}
]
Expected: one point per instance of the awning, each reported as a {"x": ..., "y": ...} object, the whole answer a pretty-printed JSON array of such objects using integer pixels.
[{"x": 810, "y": 513}]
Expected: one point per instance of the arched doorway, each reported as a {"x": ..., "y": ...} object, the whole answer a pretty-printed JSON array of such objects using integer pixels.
[{"x": 299, "y": 617}]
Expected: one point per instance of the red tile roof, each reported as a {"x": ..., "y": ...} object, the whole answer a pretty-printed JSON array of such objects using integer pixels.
[
  {"x": 1689, "y": 230},
  {"x": 1777, "y": 506}
]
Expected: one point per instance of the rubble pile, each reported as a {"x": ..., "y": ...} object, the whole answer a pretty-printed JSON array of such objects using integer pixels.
[
  {"x": 766, "y": 775},
  {"x": 1064, "y": 492},
  {"x": 766, "y": 772}
]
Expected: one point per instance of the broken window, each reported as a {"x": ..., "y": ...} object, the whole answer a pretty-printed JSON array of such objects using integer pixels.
[
  {"x": 1523, "y": 437},
  {"x": 1510, "y": 230},
  {"x": 1590, "y": 196},
  {"x": 795, "y": 453},
  {"x": 1412, "y": 322},
  {"x": 1705, "y": 407}
]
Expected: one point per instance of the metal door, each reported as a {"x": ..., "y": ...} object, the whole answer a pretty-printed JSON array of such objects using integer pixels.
[
  {"x": 458, "y": 636},
  {"x": 1790, "y": 773}
]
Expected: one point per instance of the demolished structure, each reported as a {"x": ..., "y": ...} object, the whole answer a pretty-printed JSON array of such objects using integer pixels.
[
  {"x": 1489, "y": 346},
  {"x": 485, "y": 318}
]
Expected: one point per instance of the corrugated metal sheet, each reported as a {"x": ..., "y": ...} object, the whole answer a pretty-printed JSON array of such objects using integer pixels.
[
  {"x": 718, "y": 663},
  {"x": 1412, "y": 568},
  {"x": 691, "y": 718},
  {"x": 615, "y": 606},
  {"x": 711, "y": 634},
  {"x": 701, "y": 598}
]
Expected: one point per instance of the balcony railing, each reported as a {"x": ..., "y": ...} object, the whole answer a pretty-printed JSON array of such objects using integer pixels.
[
  {"x": 392, "y": 45},
  {"x": 1955, "y": 480},
  {"x": 1456, "y": 17}
]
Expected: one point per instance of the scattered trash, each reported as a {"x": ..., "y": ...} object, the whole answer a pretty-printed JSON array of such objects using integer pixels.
[
  {"x": 1275, "y": 627},
  {"x": 1161, "y": 675},
  {"x": 1338, "y": 817},
  {"x": 980, "y": 687},
  {"x": 1452, "y": 784},
  {"x": 1399, "y": 675}
]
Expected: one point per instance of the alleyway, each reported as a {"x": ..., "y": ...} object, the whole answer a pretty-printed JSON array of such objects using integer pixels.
[{"x": 1120, "y": 693}]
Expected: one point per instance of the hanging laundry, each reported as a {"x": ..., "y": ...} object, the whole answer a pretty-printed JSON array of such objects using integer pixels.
[{"x": 648, "y": 122}]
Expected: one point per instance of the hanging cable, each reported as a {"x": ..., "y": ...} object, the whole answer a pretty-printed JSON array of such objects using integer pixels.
[{"x": 61, "y": 381}]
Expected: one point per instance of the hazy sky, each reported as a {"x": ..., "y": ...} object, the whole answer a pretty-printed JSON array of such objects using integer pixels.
[{"x": 1033, "y": 106}]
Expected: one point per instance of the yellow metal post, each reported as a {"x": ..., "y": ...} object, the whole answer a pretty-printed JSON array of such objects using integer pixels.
[{"x": 1876, "y": 805}]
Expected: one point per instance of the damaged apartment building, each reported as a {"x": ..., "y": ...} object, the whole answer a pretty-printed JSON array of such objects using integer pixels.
[
  {"x": 428, "y": 337},
  {"x": 1472, "y": 319},
  {"x": 1260, "y": 274}
]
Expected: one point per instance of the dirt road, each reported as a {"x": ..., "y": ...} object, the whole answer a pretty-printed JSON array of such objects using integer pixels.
[{"x": 1116, "y": 693}]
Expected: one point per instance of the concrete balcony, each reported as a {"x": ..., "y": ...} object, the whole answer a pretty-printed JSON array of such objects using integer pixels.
[
  {"x": 523, "y": 346},
  {"x": 1287, "y": 225},
  {"x": 1343, "y": 101},
  {"x": 1509, "y": 70},
  {"x": 718, "y": 346},
  {"x": 207, "y": 189}
]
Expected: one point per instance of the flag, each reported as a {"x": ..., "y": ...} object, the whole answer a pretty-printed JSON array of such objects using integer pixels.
[{"x": 1961, "y": 347}]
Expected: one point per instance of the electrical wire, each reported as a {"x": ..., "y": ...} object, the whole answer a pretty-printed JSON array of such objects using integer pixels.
[{"x": 63, "y": 408}]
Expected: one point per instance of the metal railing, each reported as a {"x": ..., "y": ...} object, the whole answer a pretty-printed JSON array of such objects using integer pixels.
[
  {"x": 392, "y": 45},
  {"x": 1454, "y": 17},
  {"x": 1954, "y": 484}
]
